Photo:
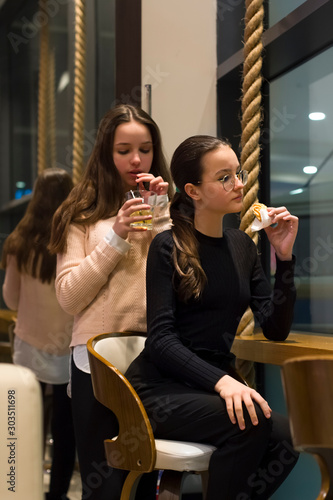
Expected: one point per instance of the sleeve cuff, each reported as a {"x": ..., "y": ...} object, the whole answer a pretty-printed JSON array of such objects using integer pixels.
[
  {"x": 162, "y": 200},
  {"x": 115, "y": 241},
  {"x": 285, "y": 264}
]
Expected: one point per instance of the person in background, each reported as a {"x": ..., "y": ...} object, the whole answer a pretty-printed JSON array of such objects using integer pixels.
[
  {"x": 43, "y": 330},
  {"x": 101, "y": 267},
  {"x": 201, "y": 277}
]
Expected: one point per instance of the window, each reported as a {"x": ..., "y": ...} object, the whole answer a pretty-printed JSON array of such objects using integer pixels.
[
  {"x": 278, "y": 9},
  {"x": 297, "y": 71},
  {"x": 301, "y": 164}
]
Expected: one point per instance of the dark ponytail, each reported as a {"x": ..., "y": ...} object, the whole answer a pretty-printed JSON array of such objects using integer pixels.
[{"x": 186, "y": 167}]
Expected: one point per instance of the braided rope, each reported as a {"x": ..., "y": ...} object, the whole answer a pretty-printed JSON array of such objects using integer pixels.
[
  {"x": 79, "y": 88},
  {"x": 42, "y": 94},
  {"x": 250, "y": 142},
  {"x": 51, "y": 136},
  {"x": 251, "y": 120},
  {"x": 251, "y": 107}
]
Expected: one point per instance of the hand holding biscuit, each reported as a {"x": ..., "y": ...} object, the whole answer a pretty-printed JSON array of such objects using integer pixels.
[{"x": 280, "y": 226}]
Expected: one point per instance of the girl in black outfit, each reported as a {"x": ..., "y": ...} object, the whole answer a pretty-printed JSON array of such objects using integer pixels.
[{"x": 200, "y": 280}]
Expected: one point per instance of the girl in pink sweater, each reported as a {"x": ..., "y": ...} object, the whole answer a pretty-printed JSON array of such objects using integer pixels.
[
  {"x": 43, "y": 329},
  {"x": 101, "y": 268}
]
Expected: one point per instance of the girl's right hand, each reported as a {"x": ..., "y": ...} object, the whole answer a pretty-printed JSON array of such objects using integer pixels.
[
  {"x": 235, "y": 394},
  {"x": 123, "y": 220}
]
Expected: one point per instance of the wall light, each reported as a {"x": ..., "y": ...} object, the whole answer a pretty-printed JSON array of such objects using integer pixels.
[
  {"x": 317, "y": 116},
  {"x": 296, "y": 191},
  {"x": 310, "y": 169},
  {"x": 64, "y": 81}
]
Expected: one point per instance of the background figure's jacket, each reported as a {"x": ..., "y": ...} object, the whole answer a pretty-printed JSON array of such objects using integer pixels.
[{"x": 41, "y": 322}]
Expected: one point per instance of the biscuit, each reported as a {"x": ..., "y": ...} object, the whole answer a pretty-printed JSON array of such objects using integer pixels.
[{"x": 256, "y": 207}]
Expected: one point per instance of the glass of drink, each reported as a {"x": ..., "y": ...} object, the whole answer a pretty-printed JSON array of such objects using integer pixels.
[{"x": 147, "y": 198}]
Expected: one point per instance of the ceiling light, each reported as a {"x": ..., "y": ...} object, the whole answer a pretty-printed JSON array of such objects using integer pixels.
[
  {"x": 310, "y": 169},
  {"x": 317, "y": 116},
  {"x": 296, "y": 191},
  {"x": 64, "y": 81}
]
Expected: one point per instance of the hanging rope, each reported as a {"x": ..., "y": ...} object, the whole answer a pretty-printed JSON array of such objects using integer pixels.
[
  {"x": 250, "y": 141},
  {"x": 42, "y": 94},
  {"x": 251, "y": 108},
  {"x": 51, "y": 119},
  {"x": 79, "y": 88}
]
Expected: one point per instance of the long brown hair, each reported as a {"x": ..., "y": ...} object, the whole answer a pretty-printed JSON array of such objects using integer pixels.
[
  {"x": 186, "y": 167},
  {"x": 29, "y": 240},
  {"x": 99, "y": 194}
]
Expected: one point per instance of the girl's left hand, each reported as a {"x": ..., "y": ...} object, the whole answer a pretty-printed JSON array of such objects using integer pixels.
[
  {"x": 156, "y": 184},
  {"x": 283, "y": 236}
]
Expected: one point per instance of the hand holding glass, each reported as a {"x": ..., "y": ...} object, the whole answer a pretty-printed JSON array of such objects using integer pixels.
[{"x": 147, "y": 198}]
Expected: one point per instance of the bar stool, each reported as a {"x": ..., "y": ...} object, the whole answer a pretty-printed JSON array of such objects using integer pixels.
[
  {"x": 308, "y": 387},
  {"x": 135, "y": 449}
]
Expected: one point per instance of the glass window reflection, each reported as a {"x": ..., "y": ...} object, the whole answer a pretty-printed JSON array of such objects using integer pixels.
[
  {"x": 296, "y": 142},
  {"x": 278, "y": 9}
]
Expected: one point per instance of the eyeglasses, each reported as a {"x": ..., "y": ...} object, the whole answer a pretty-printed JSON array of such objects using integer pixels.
[{"x": 229, "y": 180}]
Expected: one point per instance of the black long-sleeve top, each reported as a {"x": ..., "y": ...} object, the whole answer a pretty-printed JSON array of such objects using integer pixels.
[{"x": 191, "y": 342}]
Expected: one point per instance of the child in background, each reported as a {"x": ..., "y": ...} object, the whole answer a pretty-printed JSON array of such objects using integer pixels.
[{"x": 43, "y": 329}]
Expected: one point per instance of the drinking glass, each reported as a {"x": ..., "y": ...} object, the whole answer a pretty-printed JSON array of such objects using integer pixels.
[{"x": 148, "y": 198}]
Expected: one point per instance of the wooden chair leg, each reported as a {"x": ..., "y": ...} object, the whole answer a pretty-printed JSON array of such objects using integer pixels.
[
  {"x": 171, "y": 485},
  {"x": 325, "y": 461},
  {"x": 204, "y": 481},
  {"x": 130, "y": 485}
]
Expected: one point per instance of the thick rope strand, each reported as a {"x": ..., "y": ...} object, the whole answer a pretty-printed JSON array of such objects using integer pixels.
[
  {"x": 79, "y": 89},
  {"x": 251, "y": 108},
  {"x": 51, "y": 105},
  {"x": 42, "y": 94},
  {"x": 250, "y": 142}
]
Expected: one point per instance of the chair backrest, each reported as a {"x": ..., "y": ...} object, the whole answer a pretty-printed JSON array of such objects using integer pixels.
[
  {"x": 120, "y": 349},
  {"x": 134, "y": 447},
  {"x": 21, "y": 434},
  {"x": 308, "y": 386}
]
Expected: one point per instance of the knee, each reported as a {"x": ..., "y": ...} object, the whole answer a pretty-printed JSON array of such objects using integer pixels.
[{"x": 264, "y": 427}]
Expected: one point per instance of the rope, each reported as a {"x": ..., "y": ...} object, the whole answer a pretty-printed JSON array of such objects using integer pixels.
[
  {"x": 250, "y": 140},
  {"x": 79, "y": 89},
  {"x": 51, "y": 136},
  {"x": 42, "y": 94},
  {"x": 251, "y": 108}
]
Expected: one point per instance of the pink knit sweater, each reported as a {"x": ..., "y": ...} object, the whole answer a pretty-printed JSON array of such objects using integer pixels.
[
  {"x": 104, "y": 289},
  {"x": 40, "y": 320}
]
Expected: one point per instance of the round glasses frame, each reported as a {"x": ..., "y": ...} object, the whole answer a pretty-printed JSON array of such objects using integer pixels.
[{"x": 228, "y": 181}]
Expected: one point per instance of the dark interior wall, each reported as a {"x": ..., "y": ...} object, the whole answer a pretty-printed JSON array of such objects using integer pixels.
[{"x": 128, "y": 51}]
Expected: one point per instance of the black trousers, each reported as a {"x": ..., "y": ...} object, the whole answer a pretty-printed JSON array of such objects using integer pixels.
[
  {"x": 247, "y": 464},
  {"x": 93, "y": 423},
  {"x": 63, "y": 449}
]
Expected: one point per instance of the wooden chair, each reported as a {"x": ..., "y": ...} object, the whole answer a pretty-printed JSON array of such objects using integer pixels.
[
  {"x": 308, "y": 386},
  {"x": 21, "y": 451},
  {"x": 135, "y": 449}
]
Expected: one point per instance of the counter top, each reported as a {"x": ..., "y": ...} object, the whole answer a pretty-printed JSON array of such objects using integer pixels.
[{"x": 258, "y": 349}]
